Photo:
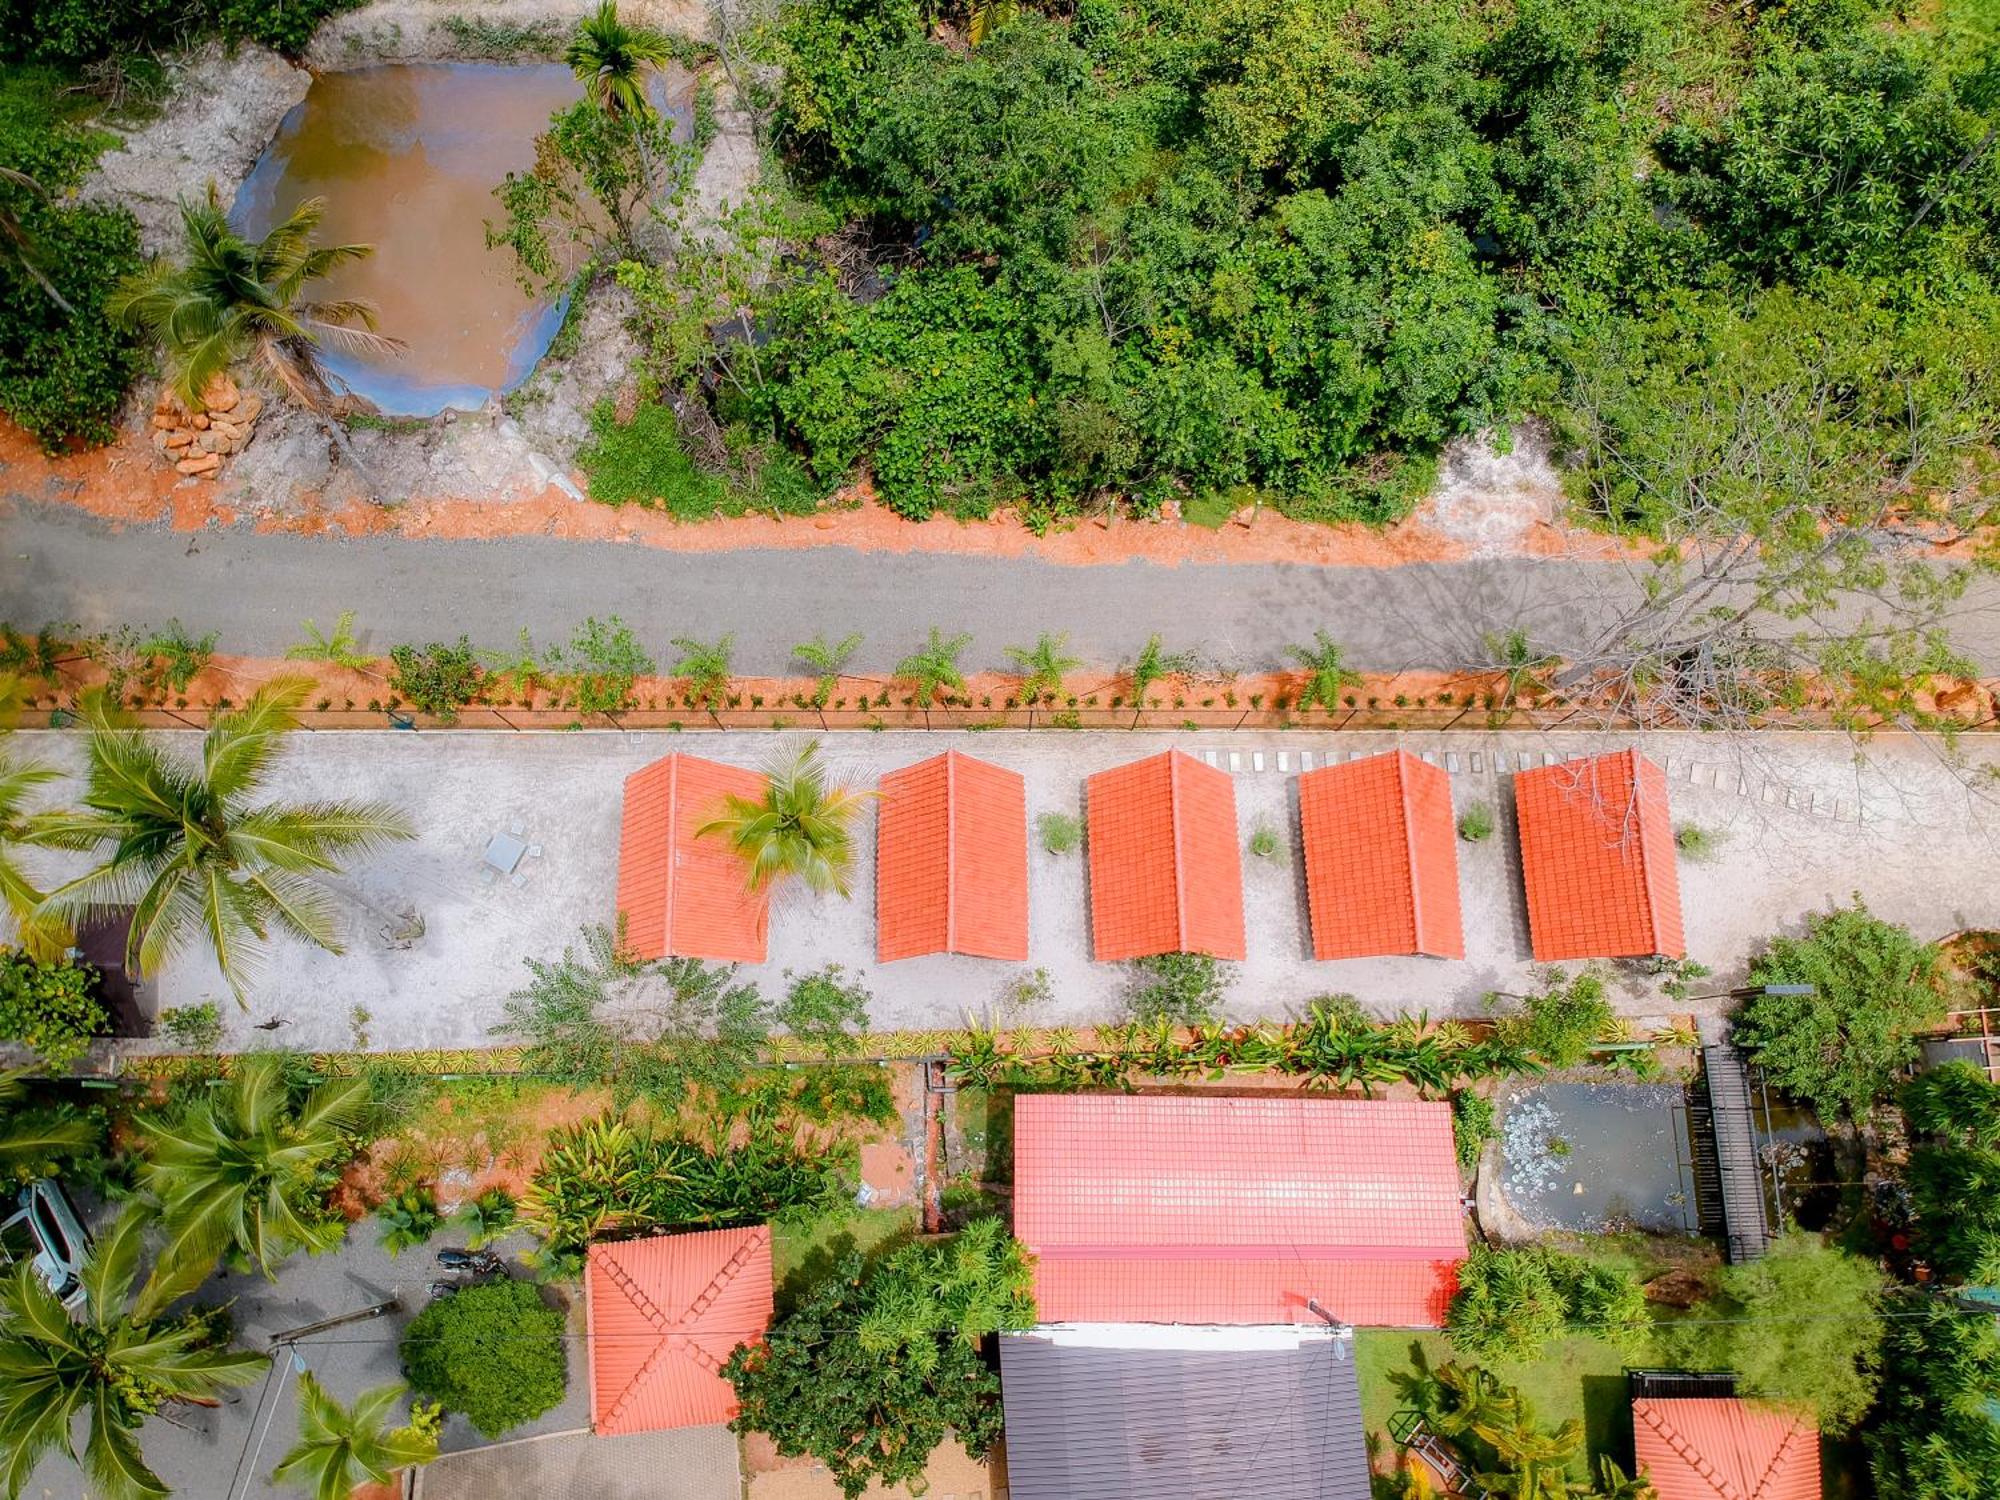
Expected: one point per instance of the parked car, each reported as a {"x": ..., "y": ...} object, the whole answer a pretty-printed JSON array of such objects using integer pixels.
[{"x": 44, "y": 1230}]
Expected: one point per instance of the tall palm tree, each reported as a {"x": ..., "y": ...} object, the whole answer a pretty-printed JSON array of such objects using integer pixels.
[
  {"x": 193, "y": 853},
  {"x": 237, "y": 1172},
  {"x": 237, "y": 299},
  {"x": 613, "y": 59},
  {"x": 341, "y": 1448},
  {"x": 114, "y": 1364},
  {"x": 28, "y": 1137},
  {"x": 800, "y": 827},
  {"x": 40, "y": 934}
]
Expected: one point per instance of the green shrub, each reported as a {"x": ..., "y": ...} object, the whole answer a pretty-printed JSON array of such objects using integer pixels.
[
  {"x": 1955, "y": 1192},
  {"x": 494, "y": 1352},
  {"x": 641, "y": 462},
  {"x": 1265, "y": 843},
  {"x": 486, "y": 1218},
  {"x": 826, "y": 1010},
  {"x": 1061, "y": 833},
  {"x": 1511, "y": 1304},
  {"x": 601, "y": 665},
  {"x": 1874, "y": 987},
  {"x": 1935, "y": 1435},
  {"x": 50, "y": 1008},
  {"x": 409, "y": 1219},
  {"x": 1956, "y": 1101},
  {"x": 438, "y": 679},
  {"x": 193, "y": 1028},
  {"x": 1475, "y": 824},
  {"x": 1564, "y": 1022},
  {"x": 1186, "y": 989},
  {"x": 75, "y": 31},
  {"x": 1472, "y": 1126},
  {"x": 1697, "y": 843}
]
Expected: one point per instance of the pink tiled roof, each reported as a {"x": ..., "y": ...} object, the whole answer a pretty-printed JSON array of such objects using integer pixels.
[
  {"x": 1166, "y": 875},
  {"x": 664, "y": 1316},
  {"x": 1722, "y": 1448},
  {"x": 1381, "y": 857},
  {"x": 1597, "y": 859},
  {"x": 679, "y": 894},
  {"x": 951, "y": 860},
  {"x": 1166, "y": 1209}
]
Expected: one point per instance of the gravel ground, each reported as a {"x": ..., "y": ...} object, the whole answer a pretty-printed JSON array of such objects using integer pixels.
[{"x": 1801, "y": 822}]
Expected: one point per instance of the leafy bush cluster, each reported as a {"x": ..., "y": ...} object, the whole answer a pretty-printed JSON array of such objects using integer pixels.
[
  {"x": 1183, "y": 989},
  {"x": 1560, "y": 1025},
  {"x": 1512, "y": 1303},
  {"x": 63, "y": 366},
  {"x": 1286, "y": 248},
  {"x": 875, "y": 1364},
  {"x": 607, "y": 1179},
  {"x": 78, "y": 31},
  {"x": 50, "y": 1008},
  {"x": 1840, "y": 1047},
  {"x": 1935, "y": 1435},
  {"x": 494, "y": 1352}
]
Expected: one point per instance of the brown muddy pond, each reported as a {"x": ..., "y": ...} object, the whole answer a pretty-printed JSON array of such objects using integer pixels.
[{"x": 407, "y": 157}]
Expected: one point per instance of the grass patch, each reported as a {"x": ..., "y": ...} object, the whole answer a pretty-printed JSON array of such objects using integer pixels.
[
  {"x": 1212, "y": 508},
  {"x": 642, "y": 462},
  {"x": 803, "y": 1249},
  {"x": 1576, "y": 1377}
]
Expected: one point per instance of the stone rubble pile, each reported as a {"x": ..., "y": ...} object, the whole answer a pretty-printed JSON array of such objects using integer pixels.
[{"x": 198, "y": 441}]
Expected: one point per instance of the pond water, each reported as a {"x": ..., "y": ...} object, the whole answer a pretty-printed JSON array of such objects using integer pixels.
[
  {"x": 407, "y": 157},
  {"x": 1598, "y": 1156}
]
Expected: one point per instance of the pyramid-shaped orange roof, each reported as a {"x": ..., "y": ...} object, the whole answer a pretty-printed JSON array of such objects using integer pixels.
[
  {"x": 664, "y": 1316},
  {"x": 1216, "y": 1209},
  {"x": 1166, "y": 875},
  {"x": 678, "y": 894},
  {"x": 1722, "y": 1448},
  {"x": 951, "y": 860},
  {"x": 1381, "y": 858},
  {"x": 1597, "y": 859}
]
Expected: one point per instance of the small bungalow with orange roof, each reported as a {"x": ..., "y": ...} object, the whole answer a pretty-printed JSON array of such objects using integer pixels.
[
  {"x": 1381, "y": 858},
  {"x": 664, "y": 1315},
  {"x": 680, "y": 896},
  {"x": 1720, "y": 1447},
  {"x": 1598, "y": 859},
  {"x": 1166, "y": 869},
  {"x": 951, "y": 860}
]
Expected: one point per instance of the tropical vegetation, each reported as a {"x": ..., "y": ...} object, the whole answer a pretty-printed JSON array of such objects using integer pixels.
[
  {"x": 51, "y": 1007},
  {"x": 342, "y": 1448},
  {"x": 1512, "y": 1303},
  {"x": 800, "y": 827},
  {"x": 492, "y": 1352}
]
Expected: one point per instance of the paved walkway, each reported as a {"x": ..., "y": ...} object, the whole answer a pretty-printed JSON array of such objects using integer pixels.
[
  {"x": 693, "y": 1463},
  {"x": 1800, "y": 825},
  {"x": 61, "y": 565}
]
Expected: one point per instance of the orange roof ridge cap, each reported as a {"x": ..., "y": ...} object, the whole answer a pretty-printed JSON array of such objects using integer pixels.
[
  {"x": 951, "y": 851},
  {"x": 1180, "y": 857},
  {"x": 1781, "y": 1455},
  {"x": 1410, "y": 847},
  {"x": 1646, "y": 871},
  {"x": 673, "y": 848},
  {"x": 724, "y": 1274}
]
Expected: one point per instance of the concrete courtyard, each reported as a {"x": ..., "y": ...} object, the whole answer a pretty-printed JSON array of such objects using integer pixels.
[{"x": 1803, "y": 821}]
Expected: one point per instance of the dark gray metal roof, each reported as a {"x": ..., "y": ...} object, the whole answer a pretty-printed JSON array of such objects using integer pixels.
[{"x": 1094, "y": 1423}]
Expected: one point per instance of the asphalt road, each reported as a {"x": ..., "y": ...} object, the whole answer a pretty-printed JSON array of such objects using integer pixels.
[{"x": 255, "y": 589}]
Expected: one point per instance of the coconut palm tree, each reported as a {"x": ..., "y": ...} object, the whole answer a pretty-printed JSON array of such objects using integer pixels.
[
  {"x": 612, "y": 60},
  {"x": 236, "y": 299},
  {"x": 933, "y": 667},
  {"x": 40, "y": 935},
  {"x": 1044, "y": 664},
  {"x": 112, "y": 1363},
  {"x": 28, "y": 1137},
  {"x": 191, "y": 850},
  {"x": 800, "y": 827},
  {"x": 341, "y": 1448},
  {"x": 236, "y": 1173}
]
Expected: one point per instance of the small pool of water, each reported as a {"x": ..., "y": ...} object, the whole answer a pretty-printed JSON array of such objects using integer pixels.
[
  {"x": 1598, "y": 1156},
  {"x": 407, "y": 156}
]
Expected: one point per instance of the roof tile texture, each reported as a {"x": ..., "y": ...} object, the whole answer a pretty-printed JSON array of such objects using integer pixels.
[
  {"x": 1381, "y": 856},
  {"x": 1721, "y": 1448},
  {"x": 678, "y": 894},
  {"x": 1597, "y": 859},
  {"x": 1159, "y": 1209},
  {"x": 664, "y": 1316},
  {"x": 951, "y": 860},
  {"x": 1166, "y": 873}
]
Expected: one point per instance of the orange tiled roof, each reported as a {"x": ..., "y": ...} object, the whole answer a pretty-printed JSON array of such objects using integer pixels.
[
  {"x": 1721, "y": 1448},
  {"x": 664, "y": 1316},
  {"x": 951, "y": 860},
  {"x": 1381, "y": 858},
  {"x": 679, "y": 894},
  {"x": 1597, "y": 858},
  {"x": 1166, "y": 875}
]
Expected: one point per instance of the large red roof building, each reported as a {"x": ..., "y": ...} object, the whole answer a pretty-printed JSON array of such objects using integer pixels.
[
  {"x": 664, "y": 1316},
  {"x": 1381, "y": 857},
  {"x": 951, "y": 860},
  {"x": 679, "y": 895},
  {"x": 1223, "y": 1210},
  {"x": 1597, "y": 859},
  {"x": 1725, "y": 1448},
  {"x": 1166, "y": 871}
]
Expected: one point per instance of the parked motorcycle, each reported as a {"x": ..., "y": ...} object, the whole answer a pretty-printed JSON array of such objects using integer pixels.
[{"x": 471, "y": 1262}]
